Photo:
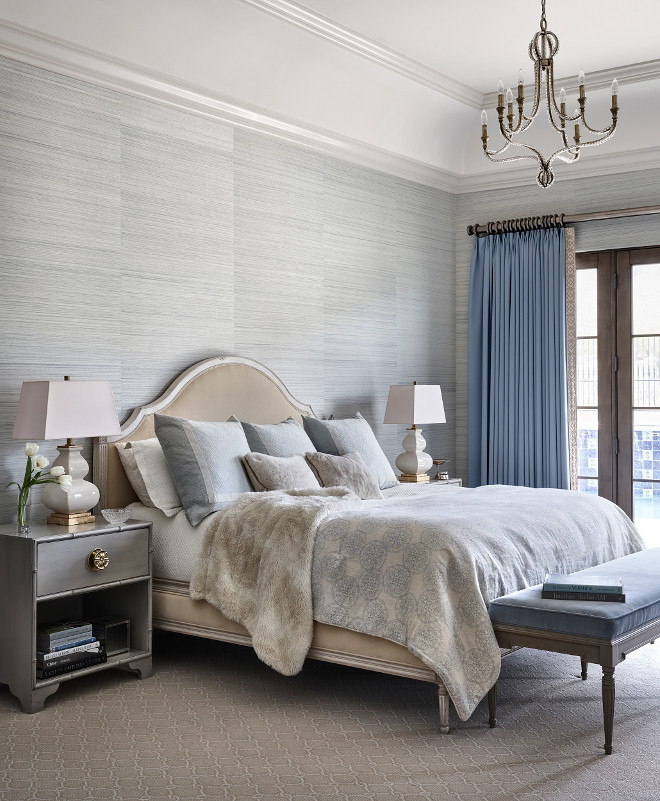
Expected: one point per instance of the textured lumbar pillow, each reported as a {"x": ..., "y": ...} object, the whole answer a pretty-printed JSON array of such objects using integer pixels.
[
  {"x": 348, "y": 470},
  {"x": 287, "y": 438},
  {"x": 340, "y": 437},
  {"x": 279, "y": 472},
  {"x": 205, "y": 460}
]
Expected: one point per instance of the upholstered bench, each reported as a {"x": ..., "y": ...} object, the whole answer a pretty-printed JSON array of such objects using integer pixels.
[{"x": 601, "y": 633}]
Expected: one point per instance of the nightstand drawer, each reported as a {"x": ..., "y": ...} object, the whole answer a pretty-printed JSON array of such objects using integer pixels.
[{"x": 65, "y": 564}]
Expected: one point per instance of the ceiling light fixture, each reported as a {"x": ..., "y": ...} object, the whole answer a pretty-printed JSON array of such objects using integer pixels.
[{"x": 542, "y": 50}]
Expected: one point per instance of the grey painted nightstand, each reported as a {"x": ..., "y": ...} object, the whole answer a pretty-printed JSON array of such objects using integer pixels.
[
  {"x": 46, "y": 576},
  {"x": 444, "y": 482}
]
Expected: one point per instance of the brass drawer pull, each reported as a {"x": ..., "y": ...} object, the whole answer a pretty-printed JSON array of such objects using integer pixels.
[{"x": 98, "y": 559}]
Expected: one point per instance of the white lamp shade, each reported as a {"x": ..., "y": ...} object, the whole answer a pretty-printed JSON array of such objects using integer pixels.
[
  {"x": 65, "y": 409},
  {"x": 415, "y": 404}
]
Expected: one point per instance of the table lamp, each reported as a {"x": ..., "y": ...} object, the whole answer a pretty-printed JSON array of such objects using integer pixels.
[
  {"x": 412, "y": 404},
  {"x": 64, "y": 410}
]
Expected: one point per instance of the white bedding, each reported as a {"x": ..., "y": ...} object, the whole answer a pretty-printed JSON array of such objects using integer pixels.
[{"x": 177, "y": 544}]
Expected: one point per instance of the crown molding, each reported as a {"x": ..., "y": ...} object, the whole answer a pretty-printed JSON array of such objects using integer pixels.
[
  {"x": 62, "y": 57},
  {"x": 601, "y": 79},
  {"x": 309, "y": 21},
  {"x": 592, "y": 167}
]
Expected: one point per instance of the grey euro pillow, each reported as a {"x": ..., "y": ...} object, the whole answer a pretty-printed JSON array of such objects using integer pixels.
[
  {"x": 205, "y": 461},
  {"x": 340, "y": 437},
  {"x": 348, "y": 471},
  {"x": 269, "y": 473},
  {"x": 287, "y": 438}
]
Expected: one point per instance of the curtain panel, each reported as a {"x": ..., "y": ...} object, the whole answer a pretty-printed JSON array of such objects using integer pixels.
[{"x": 518, "y": 419}]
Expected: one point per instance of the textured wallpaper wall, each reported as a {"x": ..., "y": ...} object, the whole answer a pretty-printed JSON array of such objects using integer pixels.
[
  {"x": 136, "y": 240},
  {"x": 568, "y": 197}
]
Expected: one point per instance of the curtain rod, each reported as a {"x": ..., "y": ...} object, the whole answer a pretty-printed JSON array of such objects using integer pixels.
[{"x": 554, "y": 221}]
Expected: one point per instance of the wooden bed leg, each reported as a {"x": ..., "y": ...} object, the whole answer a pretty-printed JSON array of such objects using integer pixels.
[
  {"x": 585, "y": 666},
  {"x": 608, "y": 706},
  {"x": 492, "y": 706},
  {"x": 443, "y": 706}
]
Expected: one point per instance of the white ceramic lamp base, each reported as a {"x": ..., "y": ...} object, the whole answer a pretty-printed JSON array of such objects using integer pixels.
[
  {"x": 413, "y": 462},
  {"x": 71, "y": 508}
]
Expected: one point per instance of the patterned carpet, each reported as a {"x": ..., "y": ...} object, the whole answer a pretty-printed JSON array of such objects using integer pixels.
[{"x": 215, "y": 723}]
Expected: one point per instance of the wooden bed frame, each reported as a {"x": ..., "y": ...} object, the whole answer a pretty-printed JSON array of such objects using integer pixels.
[{"x": 213, "y": 390}]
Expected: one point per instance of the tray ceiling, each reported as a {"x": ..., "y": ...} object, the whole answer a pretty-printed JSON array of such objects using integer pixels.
[{"x": 398, "y": 86}]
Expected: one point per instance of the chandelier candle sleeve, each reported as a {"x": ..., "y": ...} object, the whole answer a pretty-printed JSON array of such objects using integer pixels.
[{"x": 542, "y": 50}]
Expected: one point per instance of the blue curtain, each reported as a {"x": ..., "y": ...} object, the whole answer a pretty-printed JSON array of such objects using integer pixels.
[{"x": 517, "y": 394}]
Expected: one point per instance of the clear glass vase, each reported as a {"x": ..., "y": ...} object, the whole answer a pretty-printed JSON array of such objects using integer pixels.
[{"x": 24, "y": 511}]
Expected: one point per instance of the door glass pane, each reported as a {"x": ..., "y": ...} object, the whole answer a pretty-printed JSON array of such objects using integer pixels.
[
  {"x": 586, "y": 302},
  {"x": 587, "y": 422},
  {"x": 646, "y": 500},
  {"x": 587, "y": 372},
  {"x": 646, "y": 444},
  {"x": 646, "y": 298},
  {"x": 589, "y": 485},
  {"x": 646, "y": 369}
]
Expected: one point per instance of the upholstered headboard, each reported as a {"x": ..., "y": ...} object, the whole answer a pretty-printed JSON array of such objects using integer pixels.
[{"x": 211, "y": 390}]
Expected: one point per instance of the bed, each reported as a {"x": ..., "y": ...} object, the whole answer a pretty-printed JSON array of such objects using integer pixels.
[{"x": 216, "y": 389}]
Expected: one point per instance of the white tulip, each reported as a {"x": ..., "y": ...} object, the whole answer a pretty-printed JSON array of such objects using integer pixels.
[
  {"x": 65, "y": 482},
  {"x": 31, "y": 448},
  {"x": 40, "y": 462},
  {"x": 58, "y": 470}
]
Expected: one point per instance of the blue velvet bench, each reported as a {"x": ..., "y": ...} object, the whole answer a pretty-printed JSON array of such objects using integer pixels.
[{"x": 600, "y": 633}]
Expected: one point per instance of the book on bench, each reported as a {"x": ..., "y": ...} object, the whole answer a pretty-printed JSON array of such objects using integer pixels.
[
  {"x": 561, "y": 595},
  {"x": 562, "y": 587}
]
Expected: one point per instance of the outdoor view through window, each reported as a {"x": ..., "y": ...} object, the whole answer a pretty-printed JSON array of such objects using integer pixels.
[{"x": 628, "y": 414}]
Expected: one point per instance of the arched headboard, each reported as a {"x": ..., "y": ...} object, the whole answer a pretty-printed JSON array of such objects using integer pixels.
[{"x": 211, "y": 390}]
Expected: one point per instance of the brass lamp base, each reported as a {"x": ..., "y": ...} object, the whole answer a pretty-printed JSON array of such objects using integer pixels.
[
  {"x": 414, "y": 478},
  {"x": 80, "y": 519}
]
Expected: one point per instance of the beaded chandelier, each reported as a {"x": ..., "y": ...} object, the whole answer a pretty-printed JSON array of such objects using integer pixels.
[{"x": 542, "y": 50}]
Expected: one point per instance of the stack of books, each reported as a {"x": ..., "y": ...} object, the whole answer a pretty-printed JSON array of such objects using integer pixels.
[
  {"x": 560, "y": 587},
  {"x": 67, "y": 645}
]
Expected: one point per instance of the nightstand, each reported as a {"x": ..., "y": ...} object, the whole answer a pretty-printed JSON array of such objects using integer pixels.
[
  {"x": 444, "y": 482},
  {"x": 46, "y": 576}
]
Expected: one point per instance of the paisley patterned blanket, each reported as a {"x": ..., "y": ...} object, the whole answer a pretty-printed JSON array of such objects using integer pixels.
[{"x": 421, "y": 571}]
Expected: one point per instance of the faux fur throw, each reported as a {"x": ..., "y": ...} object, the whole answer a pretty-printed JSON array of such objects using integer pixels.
[{"x": 256, "y": 564}]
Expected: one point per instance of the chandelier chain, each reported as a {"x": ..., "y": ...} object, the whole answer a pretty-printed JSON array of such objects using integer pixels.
[{"x": 544, "y": 21}]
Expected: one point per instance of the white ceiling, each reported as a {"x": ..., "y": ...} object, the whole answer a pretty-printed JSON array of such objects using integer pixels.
[{"x": 397, "y": 85}]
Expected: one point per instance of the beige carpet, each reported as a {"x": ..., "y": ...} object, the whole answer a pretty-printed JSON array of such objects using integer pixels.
[{"x": 214, "y": 723}]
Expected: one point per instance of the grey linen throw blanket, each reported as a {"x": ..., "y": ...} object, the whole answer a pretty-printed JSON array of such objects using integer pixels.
[{"x": 417, "y": 571}]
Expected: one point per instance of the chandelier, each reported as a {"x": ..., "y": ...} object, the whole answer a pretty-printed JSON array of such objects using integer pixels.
[{"x": 542, "y": 50}]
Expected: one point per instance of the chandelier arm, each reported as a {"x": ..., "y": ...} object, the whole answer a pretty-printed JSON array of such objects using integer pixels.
[
  {"x": 537, "y": 155},
  {"x": 552, "y": 101},
  {"x": 550, "y": 97},
  {"x": 599, "y": 130}
]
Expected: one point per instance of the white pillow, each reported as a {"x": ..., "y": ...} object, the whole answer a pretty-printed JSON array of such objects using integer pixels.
[{"x": 146, "y": 467}]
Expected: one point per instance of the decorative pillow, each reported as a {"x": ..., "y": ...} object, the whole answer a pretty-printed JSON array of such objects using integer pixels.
[
  {"x": 279, "y": 472},
  {"x": 340, "y": 437},
  {"x": 205, "y": 462},
  {"x": 146, "y": 468},
  {"x": 287, "y": 438},
  {"x": 345, "y": 471}
]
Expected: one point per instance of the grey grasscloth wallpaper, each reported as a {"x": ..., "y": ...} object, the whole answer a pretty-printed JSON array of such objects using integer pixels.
[
  {"x": 578, "y": 196},
  {"x": 136, "y": 240}
]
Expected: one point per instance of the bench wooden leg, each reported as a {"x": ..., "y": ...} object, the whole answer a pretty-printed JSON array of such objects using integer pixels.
[
  {"x": 608, "y": 706},
  {"x": 585, "y": 666},
  {"x": 492, "y": 706}
]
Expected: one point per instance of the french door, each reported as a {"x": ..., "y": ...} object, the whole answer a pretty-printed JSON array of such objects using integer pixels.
[{"x": 618, "y": 381}]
